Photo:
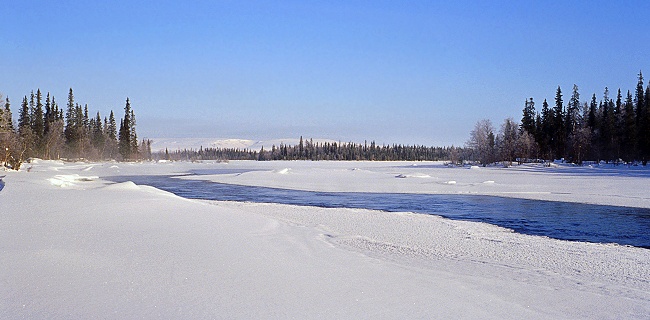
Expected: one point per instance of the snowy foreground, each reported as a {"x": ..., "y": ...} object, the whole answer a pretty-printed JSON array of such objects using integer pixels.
[{"x": 74, "y": 245}]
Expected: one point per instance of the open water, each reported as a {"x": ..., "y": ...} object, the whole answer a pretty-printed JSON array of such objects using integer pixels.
[{"x": 560, "y": 220}]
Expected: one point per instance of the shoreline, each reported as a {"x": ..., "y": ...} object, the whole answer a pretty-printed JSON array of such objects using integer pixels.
[{"x": 74, "y": 245}]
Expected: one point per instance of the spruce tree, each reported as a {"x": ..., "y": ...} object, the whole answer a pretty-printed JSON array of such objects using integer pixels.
[
  {"x": 528, "y": 118},
  {"x": 97, "y": 134},
  {"x": 86, "y": 118},
  {"x": 70, "y": 119},
  {"x": 618, "y": 125},
  {"x": 134, "y": 137},
  {"x": 645, "y": 133},
  {"x": 641, "y": 124},
  {"x": 558, "y": 124},
  {"x": 546, "y": 130},
  {"x": 629, "y": 133},
  {"x": 606, "y": 134},
  {"x": 125, "y": 144},
  {"x": 573, "y": 112},
  {"x": 8, "y": 114},
  {"x": 24, "y": 122},
  {"x": 38, "y": 125},
  {"x": 112, "y": 127},
  {"x": 48, "y": 115},
  {"x": 591, "y": 116}
]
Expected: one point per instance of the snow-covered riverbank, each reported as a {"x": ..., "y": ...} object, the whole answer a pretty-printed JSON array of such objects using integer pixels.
[{"x": 73, "y": 245}]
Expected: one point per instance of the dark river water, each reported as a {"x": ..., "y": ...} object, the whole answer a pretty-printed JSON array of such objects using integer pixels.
[{"x": 560, "y": 220}]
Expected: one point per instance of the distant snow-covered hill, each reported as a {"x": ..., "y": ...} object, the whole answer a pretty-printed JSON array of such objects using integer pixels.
[{"x": 159, "y": 144}]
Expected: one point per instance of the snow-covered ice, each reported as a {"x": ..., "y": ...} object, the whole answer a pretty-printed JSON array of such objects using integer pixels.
[{"x": 74, "y": 245}]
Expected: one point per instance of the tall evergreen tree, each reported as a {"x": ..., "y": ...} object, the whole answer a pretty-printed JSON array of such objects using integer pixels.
[
  {"x": 25, "y": 131},
  {"x": 8, "y": 114},
  {"x": 24, "y": 123},
  {"x": 528, "y": 118},
  {"x": 98, "y": 133},
  {"x": 38, "y": 124},
  {"x": 629, "y": 132},
  {"x": 125, "y": 145},
  {"x": 641, "y": 124},
  {"x": 546, "y": 130},
  {"x": 645, "y": 130},
  {"x": 606, "y": 134},
  {"x": 573, "y": 112},
  {"x": 70, "y": 120},
  {"x": 112, "y": 127},
  {"x": 618, "y": 125},
  {"x": 558, "y": 125},
  {"x": 134, "y": 137},
  {"x": 49, "y": 118},
  {"x": 591, "y": 115}
]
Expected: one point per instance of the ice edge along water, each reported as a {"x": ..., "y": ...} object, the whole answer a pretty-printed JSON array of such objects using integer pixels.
[{"x": 88, "y": 248}]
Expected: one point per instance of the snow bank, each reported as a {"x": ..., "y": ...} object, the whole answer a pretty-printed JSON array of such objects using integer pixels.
[
  {"x": 70, "y": 180},
  {"x": 103, "y": 250},
  {"x": 618, "y": 186},
  {"x": 282, "y": 171},
  {"x": 415, "y": 175}
]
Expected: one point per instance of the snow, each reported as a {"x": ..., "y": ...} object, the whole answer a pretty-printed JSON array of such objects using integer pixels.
[
  {"x": 73, "y": 245},
  {"x": 608, "y": 185},
  {"x": 173, "y": 144}
]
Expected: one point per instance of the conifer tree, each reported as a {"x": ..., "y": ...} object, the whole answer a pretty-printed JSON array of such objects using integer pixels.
[
  {"x": 546, "y": 131},
  {"x": 642, "y": 123},
  {"x": 38, "y": 124},
  {"x": 645, "y": 129},
  {"x": 528, "y": 118},
  {"x": 25, "y": 132},
  {"x": 86, "y": 118},
  {"x": 98, "y": 134},
  {"x": 134, "y": 137},
  {"x": 8, "y": 116},
  {"x": 606, "y": 125},
  {"x": 125, "y": 144},
  {"x": 301, "y": 149},
  {"x": 24, "y": 122},
  {"x": 618, "y": 125},
  {"x": 70, "y": 119},
  {"x": 629, "y": 133},
  {"x": 573, "y": 112},
  {"x": 558, "y": 125},
  {"x": 591, "y": 116},
  {"x": 48, "y": 115},
  {"x": 112, "y": 127}
]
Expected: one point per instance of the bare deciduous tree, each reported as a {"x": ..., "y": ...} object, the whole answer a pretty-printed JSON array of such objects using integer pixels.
[{"x": 482, "y": 142}]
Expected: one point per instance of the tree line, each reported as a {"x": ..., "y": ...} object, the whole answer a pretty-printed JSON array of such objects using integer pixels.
[
  {"x": 45, "y": 130},
  {"x": 610, "y": 129},
  {"x": 310, "y": 150}
]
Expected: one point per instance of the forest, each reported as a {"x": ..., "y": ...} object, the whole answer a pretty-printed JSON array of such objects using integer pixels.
[
  {"x": 46, "y": 131},
  {"x": 309, "y": 150},
  {"x": 614, "y": 129}
]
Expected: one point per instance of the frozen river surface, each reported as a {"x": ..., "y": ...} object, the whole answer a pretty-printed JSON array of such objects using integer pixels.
[{"x": 559, "y": 220}]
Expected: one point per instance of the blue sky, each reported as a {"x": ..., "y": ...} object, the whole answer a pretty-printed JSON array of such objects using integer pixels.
[{"x": 413, "y": 72}]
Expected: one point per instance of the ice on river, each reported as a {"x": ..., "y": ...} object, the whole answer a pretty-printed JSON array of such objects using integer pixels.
[{"x": 74, "y": 245}]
